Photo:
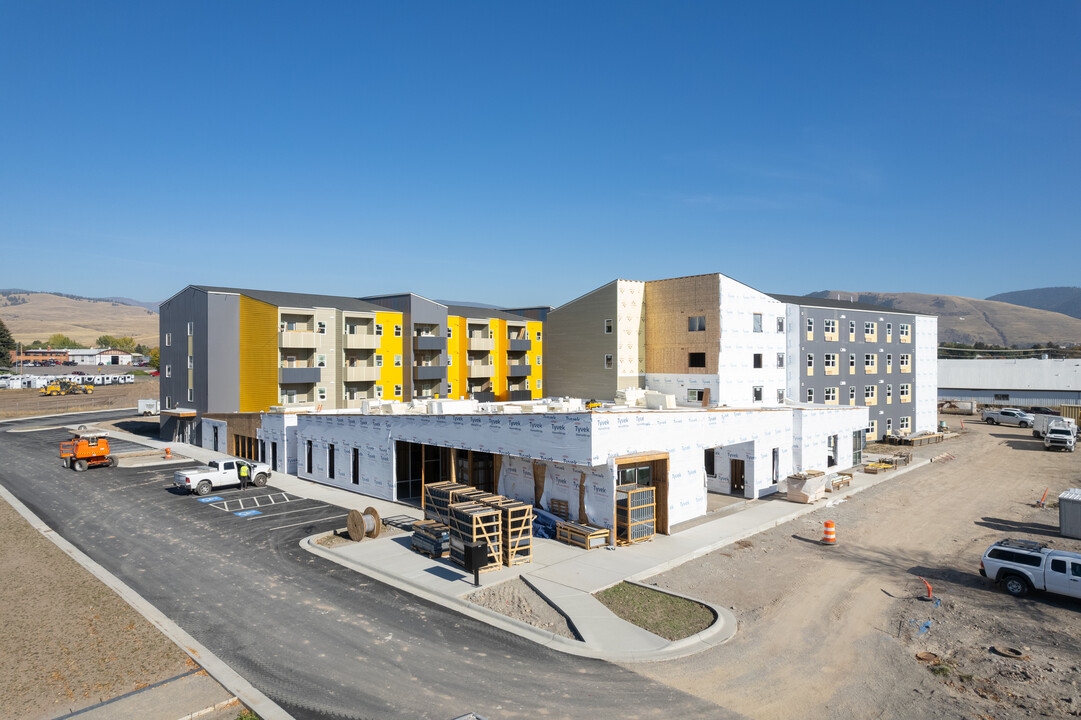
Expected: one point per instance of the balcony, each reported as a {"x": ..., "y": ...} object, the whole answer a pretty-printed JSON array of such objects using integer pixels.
[
  {"x": 297, "y": 339},
  {"x": 430, "y": 342},
  {"x": 361, "y": 373},
  {"x": 481, "y": 371},
  {"x": 480, "y": 343},
  {"x": 430, "y": 372},
  {"x": 517, "y": 371},
  {"x": 519, "y": 345},
  {"x": 362, "y": 341},
  {"x": 287, "y": 376},
  {"x": 520, "y": 395}
]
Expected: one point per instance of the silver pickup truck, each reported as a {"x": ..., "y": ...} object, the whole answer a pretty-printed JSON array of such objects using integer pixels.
[
  {"x": 220, "y": 473},
  {"x": 1007, "y": 416}
]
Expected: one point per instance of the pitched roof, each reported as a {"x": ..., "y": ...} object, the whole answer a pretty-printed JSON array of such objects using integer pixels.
[
  {"x": 290, "y": 299},
  {"x": 838, "y": 304}
]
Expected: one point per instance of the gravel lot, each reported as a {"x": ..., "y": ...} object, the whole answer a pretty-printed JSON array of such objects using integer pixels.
[{"x": 30, "y": 402}]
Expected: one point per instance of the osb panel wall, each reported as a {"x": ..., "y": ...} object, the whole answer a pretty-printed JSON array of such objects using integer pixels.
[{"x": 668, "y": 304}]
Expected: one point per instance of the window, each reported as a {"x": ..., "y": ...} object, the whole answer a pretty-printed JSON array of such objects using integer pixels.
[
  {"x": 757, "y": 326},
  {"x": 607, "y": 362},
  {"x": 322, "y": 393},
  {"x": 378, "y": 330},
  {"x": 168, "y": 339},
  {"x": 308, "y": 455},
  {"x": 379, "y": 361},
  {"x": 829, "y": 360},
  {"x": 191, "y": 329},
  {"x": 829, "y": 394},
  {"x": 906, "y": 361},
  {"x": 450, "y": 360},
  {"x": 868, "y": 328},
  {"x": 758, "y": 360},
  {"x": 538, "y": 360},
  {"x": 527, "y": 383},
  {"x": 321, "y": 328},
  {"x": 397, "y": 361},
  {"x": 450, "y": 331},
  {"x": 810, "y": 327},
  {"x": 191, "y": 362},
  {"x": 905, "y": 332},
  {"x": 1016, "y": 557},
  {"x": 397, "y": 331},
  {"x": 780, "y": 397},
  {"x": 696, "y": 360},
  {"x": 852, "y": 362},
  {"x": 1058, "y": 565},
  {"x": 694, "y": 395},
  {"x": 889, "y": 425},
  {"x": 999, "y": 397},
  {"x": 696, "y": 323},
  {"x": 708, "y": 459},
  {"x": 168, "y": 371},
  {"x": 889, "y": 361},
  {"x": 852, "y": 393},
  {"x": 397, "y": 391},
  {"x": 320, "y": 360},
  {"x": 870, "y": 362},
  {"x": 756, "y": 393},
  {"x": 906, "y": 392},
  {"x": 889, "y": 331},
  {"x": 538, "y": 383},
  {"x": 538, "y": 336},
  {"x": 810, "y": 395},
  {"x": 168, "y": 402},
  {"x": 607, "y": 327},
  {"x": 829, "y": 326},
  {"x": 290, "y": 396},
  {"x": 810, "y": 361},
  {"x": 906, "y": 423},
  {"x": 379, "y": 391},
  {"x": 852, "y": 328},
  {"x": 330, "y": 461},
  {"x": 191, "y": 395},
  {"x": 780, "y": 324},
  {"x": 780, "y": 360},
  {"x": 450, "y": 389},
  {"x": 889, "y": 392},
  {"x": 870, "y": 392}
]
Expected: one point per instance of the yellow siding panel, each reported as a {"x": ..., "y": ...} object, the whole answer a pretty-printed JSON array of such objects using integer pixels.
[
  {"x": 458, "y": 349},
  {"x": 499, "y": 379},
  {"x": 257, "y": 354},
  {"x": 389, "y": 346},
  {"x": 535, "y": 328}
]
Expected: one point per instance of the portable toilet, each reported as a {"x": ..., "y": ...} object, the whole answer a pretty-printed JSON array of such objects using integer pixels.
[{"x": 1069, "y": 513}]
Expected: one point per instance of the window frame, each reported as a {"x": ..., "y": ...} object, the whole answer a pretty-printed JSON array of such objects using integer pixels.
[
  {"x": 609, "y": 326},
  {"x": 691, "y": 356}
]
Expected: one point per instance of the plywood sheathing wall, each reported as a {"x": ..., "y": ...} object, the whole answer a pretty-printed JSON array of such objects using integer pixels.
[{"x": 668, "y": 304}]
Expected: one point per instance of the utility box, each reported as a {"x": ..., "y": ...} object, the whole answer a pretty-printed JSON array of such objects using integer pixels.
[{"x": 1069, "y": 513}]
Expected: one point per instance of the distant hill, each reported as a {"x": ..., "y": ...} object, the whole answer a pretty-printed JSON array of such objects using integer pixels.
[
  {"x": 968, "y": 320},
  {"x": 35, "y": 316},
  {"x": 1065, "y": 300}
]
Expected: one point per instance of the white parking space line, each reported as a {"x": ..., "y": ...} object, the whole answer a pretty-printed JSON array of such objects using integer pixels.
[
  {"x": 290, "y": 512},
  {"x": 307, "y": 522}
]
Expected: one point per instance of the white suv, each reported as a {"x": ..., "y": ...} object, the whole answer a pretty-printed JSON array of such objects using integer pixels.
[{"x": 1024, "y": 565}]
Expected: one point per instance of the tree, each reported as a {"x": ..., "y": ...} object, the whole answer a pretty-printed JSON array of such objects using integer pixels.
[
  {"x": 106, "y": 341},
  {"x": 59, "y": 340},
  {"x": 7, "y": 346},
  {"x": 155, "y": 358}
]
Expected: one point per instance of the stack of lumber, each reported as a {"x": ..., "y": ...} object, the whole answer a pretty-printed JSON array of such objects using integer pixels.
[
  {"x": 635, "y": 514},
  {"x": 473, "y": 522},
  {"x": 431, "y": 538}
]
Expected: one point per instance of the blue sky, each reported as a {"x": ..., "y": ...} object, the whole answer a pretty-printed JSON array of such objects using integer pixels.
[{"x": 525, "y": 153}]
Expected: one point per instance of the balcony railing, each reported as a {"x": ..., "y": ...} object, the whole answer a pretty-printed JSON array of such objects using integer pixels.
[
  {"x": 361, "y": 373},
  {"x": 298, "y": 339},
  {"x": 519, "y": 370},
  {"x": 361, "y": 341},
  {"x": 481, "y": 371},
  {"x": 429, "y": 342},
  {"x": 292, "y": 375},
  {"x": 520, "y": 345},
  {"x": 481, "y": 343}
]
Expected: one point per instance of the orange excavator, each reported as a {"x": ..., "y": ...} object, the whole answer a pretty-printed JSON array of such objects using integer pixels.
[{"x": 86, "y": 450}]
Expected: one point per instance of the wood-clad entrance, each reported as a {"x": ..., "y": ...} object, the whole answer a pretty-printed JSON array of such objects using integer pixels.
[{"x": 648, "y": 469}]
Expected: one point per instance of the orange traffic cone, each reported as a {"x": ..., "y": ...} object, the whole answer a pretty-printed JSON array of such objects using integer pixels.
[
  {"x": 829, "y": 534},
  {"x": 168, "y": 453}
]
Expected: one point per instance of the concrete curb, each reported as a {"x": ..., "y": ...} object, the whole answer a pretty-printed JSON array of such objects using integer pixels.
[
  {"x": 263, "y": 706},
  {"x": 717, "y": 634}
]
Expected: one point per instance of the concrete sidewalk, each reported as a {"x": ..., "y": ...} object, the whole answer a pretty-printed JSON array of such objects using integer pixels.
[{"x": 566, "y": 576}]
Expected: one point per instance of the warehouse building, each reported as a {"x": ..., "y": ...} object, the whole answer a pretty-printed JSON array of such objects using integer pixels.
[{"x": 1023, "y": 382}]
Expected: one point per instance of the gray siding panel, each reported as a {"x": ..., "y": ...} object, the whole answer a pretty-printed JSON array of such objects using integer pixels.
[
  {"x": 217, "y": 339},
  {"x": 576, "y": 345}
]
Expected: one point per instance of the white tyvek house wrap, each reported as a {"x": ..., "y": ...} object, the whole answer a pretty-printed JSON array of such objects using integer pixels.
[
  {"x": 811, "y": 429},
  {"x": 678, "y": 385},
  {"x": 563, "y": 482},
  {"x": 793, "y": 367},
  {"x": 207, "y": 433},
  {"x": 280, "y": 428},
  {"x": 516, "y": 479},
  {"x": 926, "y": 382},
  {"x": 739, "y": 343},
  {"x": 370, "y": 434},
  {"x": 630, "y": 354}
]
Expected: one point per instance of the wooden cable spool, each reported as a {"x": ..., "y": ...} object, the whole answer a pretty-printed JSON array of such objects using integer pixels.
[{"x": 362, "y": 525}]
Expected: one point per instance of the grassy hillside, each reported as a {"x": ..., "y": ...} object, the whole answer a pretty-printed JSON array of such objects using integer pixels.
[
  {"x": 1065, "y": 300},
  {"x": 969, "y": 320},
  {"x": 36, "y": 316}
]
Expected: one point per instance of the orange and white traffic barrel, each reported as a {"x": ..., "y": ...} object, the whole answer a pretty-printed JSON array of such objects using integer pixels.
[{"x": 829, "y": 533}]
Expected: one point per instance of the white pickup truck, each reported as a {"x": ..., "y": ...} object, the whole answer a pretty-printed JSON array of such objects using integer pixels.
[
  {"x": 1042, "y": 423},
  {"x": 1007, "y": 416},
  {"x": 1022, "y": 566},
  {"x": 220, "y": 473}
]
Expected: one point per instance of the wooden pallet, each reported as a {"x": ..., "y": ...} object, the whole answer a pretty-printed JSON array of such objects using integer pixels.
[
  {"x": 517, "y": 527},
  {"x": 635, "y": 514},
  {"x": 438, "y": 497},
  {"x": 583, "y": 536},
  {"x": 473, "y": 522},
  {"x": 559, "y": 508},
  {"x": 431, "y": 538}
]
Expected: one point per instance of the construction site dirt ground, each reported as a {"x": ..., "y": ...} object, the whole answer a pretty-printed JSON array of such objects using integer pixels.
[
  {"x": 30, "y": 402},
  {"x": 834, "y": 631}
]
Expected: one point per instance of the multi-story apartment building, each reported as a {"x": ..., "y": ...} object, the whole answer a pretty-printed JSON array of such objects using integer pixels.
[
  {"x": 230, "y": 350},
  {"x": 709, "y": 338},
  {"x": 699, "y": 337},
  {"x": 847, "y": 353}
]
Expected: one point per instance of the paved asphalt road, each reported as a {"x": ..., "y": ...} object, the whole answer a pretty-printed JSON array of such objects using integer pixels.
[{"x": 321, "y": 641}]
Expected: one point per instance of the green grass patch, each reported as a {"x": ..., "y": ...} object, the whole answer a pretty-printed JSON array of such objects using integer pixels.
[{"x": 670, "y": 617}]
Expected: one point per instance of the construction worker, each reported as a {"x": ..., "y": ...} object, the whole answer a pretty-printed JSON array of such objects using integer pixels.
[{"x": 242, "y": 468}]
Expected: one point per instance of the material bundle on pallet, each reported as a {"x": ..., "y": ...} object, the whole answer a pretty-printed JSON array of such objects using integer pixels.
[
  {"x": 517, "y": 528},
  {"x": 431, "y": 538},
  {"x": 473, "y": 522},
  {"x": 583, "y": 536},
  {"x": 438, "y": 497},
  {"x": 635, "y": 514}
]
